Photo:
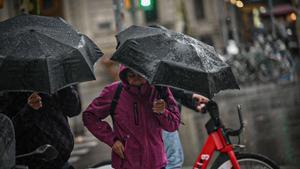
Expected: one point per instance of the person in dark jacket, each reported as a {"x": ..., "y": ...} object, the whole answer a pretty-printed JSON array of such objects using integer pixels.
[
  {"x": 41, "y": 119},
  {"x": 171, "y": 139},
  {"x": 191, "y": 100}
]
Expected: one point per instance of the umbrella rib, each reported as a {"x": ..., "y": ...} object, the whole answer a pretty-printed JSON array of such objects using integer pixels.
[
  {"x": 45, "y": 52},
  {"x": 49, "y": 81},
  {"x": 209, "y": 84},
  {"x": 80, "y": 51},
  {"x": 46, "y": 62},
  {"x": 141, "y": 37},
  {"x": 57, "y": 41}
]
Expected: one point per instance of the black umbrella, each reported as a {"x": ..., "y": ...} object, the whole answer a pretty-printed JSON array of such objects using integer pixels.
[
  {"x": 173, "y": 59},
  {"x": 44, "y": 54}
]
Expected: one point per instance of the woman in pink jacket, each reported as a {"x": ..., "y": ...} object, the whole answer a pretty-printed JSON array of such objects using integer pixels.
[{"x": 136, "y": 137}]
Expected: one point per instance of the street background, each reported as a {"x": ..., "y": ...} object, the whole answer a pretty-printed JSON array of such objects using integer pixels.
[{"x": 258, "y": 38}]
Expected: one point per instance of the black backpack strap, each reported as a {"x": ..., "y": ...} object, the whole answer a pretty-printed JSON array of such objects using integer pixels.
[{"x": 115, "y": 101}]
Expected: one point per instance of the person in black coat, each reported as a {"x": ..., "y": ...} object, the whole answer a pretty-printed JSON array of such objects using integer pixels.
[
  {"x": 41, "y": 119},
  {"x": 172, "y": 142},
  {"x": 191, "y": 100}
]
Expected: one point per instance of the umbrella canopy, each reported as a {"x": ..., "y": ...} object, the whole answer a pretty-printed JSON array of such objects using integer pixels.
[
  {"x": 173, "y": 59},
  {"x": 44, "y": 54}
]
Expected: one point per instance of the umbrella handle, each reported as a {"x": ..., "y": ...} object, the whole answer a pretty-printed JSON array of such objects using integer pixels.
[{"x": 162, "y": 92}]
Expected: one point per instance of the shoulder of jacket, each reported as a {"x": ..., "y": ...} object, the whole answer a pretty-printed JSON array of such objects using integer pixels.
[{"x": 112, "y": 87}]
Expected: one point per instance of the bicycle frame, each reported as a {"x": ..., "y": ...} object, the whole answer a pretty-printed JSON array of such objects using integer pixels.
[
  {"x": 218, "y": 138},
  {"x": 215, "y": 142}
]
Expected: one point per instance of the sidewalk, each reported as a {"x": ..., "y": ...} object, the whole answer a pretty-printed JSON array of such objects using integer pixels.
[{"x": 88, "y": 151}]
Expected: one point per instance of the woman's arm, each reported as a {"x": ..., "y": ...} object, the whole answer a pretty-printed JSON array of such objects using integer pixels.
[
  {"x": 169, "y": 117},
  {"x": 97, "y": 111}
]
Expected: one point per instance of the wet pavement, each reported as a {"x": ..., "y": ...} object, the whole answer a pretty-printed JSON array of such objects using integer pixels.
[{"x": 88, "y": 151}]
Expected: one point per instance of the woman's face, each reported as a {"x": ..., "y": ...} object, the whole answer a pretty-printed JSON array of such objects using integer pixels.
[{"x": 135, "y": 79}]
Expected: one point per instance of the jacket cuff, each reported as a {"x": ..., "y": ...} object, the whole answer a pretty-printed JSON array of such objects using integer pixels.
[
  {"x": 112, "y": 141},
  {"x": 193, "y": 103},
  {"x": 162, "y": 114}
]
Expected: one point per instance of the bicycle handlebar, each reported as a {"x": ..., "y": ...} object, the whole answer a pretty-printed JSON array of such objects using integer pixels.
[
  {"x": 237, "y": 132},
  {"x": 212, "y": 108}
]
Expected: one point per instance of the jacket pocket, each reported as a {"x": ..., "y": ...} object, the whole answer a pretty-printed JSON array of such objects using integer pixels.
[
  {"x": 132, "y": 153},
  {"x": 136, "y": 114}
]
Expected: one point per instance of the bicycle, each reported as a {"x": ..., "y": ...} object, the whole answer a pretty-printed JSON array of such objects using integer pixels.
[{"x": 219, "y": 140}]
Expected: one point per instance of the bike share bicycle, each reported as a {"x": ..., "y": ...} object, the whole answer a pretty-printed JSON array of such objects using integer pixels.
[{"x": 219, "y": 140}]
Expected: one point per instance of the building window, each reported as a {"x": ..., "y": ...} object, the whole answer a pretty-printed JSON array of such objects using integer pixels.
[{"x": 199, "y": 9}]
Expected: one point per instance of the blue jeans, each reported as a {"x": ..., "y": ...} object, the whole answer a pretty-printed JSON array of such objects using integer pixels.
[{"x": 173, "y": 149}]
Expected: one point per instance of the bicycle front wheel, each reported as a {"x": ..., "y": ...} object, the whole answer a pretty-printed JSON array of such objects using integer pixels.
[{"x": 246, "y": 161}]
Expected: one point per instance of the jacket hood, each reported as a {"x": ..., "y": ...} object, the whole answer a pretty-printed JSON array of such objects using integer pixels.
[
  {"x": 122, "y": 73},
  {"x": 136, "y": 90}
]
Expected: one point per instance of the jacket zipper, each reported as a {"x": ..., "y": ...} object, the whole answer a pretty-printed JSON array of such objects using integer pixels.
[
  {"x": 143, "y": 123},
  {"x": 136, "y": 114},
  {"x": 147, "y": 145}
]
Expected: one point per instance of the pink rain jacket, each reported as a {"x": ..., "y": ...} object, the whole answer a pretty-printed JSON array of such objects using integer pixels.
[{"x": 136, "y": 125}]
